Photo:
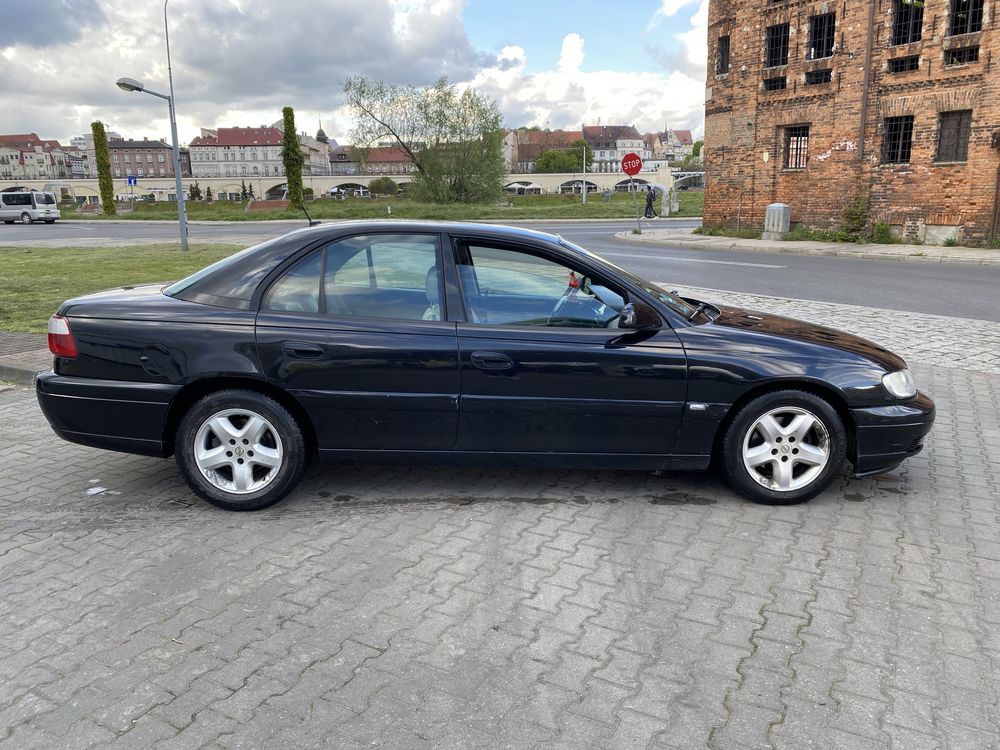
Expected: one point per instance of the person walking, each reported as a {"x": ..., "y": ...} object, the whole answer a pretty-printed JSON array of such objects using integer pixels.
[{"x": 650, "y": 214}]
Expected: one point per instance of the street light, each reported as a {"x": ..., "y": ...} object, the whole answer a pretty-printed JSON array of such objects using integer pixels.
[{"x": 130, "y": 84}]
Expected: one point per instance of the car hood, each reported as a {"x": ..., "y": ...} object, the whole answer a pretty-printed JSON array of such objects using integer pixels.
[{"x": 809, "y": 333}]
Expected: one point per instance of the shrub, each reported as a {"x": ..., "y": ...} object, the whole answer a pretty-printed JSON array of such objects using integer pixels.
[
  {"x": 882, "y": 234},
  {"x": 384, "y": 186}
]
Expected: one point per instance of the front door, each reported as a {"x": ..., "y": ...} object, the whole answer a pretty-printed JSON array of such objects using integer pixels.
[
  {"x": 356, "y": 333},
  {"x": 545, "y": 368}
]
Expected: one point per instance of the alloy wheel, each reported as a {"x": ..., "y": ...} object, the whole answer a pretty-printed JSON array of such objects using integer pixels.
[
  {"x": 238, "y": 451},
  {"x": 786, "y": 448}
]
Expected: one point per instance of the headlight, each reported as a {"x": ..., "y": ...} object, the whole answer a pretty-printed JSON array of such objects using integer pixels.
[{"x": 900, "y": 384}]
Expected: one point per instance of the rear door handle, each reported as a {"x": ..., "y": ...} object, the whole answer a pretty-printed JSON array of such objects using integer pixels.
[
  {"x": 302, "y": 350},
  {"x": 492, "y": 361}
]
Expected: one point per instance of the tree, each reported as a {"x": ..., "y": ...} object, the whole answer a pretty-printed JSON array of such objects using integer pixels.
[
  {"x": 291, "y": 156},
  {"x": 383, "y": 186},
  {"x": 569, "y": 159},
  {"x": 243, "y": 190},
  {"x": 696, "y": 149},
  {"x": 250, "y": 193},
  {"x": 454, "y": 139},
  {"x": 208, "y": 194},
  {"x": 103, "y": 159},
  {"x": 194, "y": 192}
]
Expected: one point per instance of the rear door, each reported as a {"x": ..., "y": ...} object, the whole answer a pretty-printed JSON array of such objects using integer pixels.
[
  {"x": 545, "y": 367},
  {"x": 356, "y": 332}
]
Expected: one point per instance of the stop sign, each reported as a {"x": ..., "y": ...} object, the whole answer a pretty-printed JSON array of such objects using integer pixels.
[{"x": 631, "y": 164}]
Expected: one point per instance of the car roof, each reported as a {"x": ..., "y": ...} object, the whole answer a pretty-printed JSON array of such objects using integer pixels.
[{"x": 336, "y": 228}]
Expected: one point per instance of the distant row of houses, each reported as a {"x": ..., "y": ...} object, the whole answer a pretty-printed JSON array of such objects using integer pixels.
[{"x": 248, "y": 152}]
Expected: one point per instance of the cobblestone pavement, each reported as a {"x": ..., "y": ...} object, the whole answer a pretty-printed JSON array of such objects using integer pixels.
[{"x": 418, "y": 608}]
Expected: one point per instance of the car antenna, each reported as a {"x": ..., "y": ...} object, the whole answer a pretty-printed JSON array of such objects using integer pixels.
[{"x": 312, "y": 222}]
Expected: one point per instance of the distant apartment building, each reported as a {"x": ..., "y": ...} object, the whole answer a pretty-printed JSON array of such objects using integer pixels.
[
  {"x": 669, "y": 145},
  {"x": 253, "y": 152},
  {"x": 611, "y": 143},
  {"x": 380, "y": 160},
  {"x": 143, "y": 158},
  {"x": 25, "y": 156},
  {"x": 84, "y": 144},
  {"x": 891, "y": 106}
]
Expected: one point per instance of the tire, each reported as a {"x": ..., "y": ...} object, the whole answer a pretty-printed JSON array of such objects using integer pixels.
[
  {"x": 256, "y": 427},
  {"x": 784, "y": 447},
  {"x": 50, "y": 221},
  {"x": 8, "y": 221},
  {"x": 26, "y": 218}
]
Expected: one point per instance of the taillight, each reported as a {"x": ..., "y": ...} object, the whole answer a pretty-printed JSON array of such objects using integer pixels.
[{"x": 61, "y": 341}]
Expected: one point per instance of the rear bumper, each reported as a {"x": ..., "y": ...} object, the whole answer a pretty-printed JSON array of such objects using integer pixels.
[
  {"x": 109, "y": 414},
  {"x": 888, "y": 435}
]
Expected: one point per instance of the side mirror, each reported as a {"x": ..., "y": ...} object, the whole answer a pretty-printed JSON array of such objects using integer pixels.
[{"x": 638, "y": 316}]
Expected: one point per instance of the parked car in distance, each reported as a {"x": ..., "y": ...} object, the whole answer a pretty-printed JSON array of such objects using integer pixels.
[
  {"x": 28, "y": 206},
  {"x": 434, "y": 342}
]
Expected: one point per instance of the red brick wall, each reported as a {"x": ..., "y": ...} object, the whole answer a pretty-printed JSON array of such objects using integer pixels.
[{"x": 744, "y": 124}]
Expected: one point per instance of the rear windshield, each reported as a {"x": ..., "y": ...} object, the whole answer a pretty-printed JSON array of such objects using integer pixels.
[
  {"x": 44, "y": 199},
  {"x": 233, "y": 279}
]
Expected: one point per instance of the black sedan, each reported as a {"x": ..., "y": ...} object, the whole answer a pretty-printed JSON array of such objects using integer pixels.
[{"x": 419, "y": 342}]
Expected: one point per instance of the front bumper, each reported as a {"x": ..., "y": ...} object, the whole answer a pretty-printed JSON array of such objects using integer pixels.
[
  {"x": 888, "y": 435},
  {"x": 110, "y": 414}
]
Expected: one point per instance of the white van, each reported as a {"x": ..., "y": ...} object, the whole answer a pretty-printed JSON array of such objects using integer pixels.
[{"x": 27, "y": 207}]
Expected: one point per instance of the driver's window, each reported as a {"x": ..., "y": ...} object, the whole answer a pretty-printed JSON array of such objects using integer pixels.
[{"x": 514, "y": 288}]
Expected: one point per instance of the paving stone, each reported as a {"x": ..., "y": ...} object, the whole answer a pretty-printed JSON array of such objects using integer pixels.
[{"x": 575, "y": 604}]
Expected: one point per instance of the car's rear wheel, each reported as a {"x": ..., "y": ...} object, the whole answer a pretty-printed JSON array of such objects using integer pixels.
[
  {"x": 784, "y": 447},
  {"x": 240, "y": 450},
  {"x": 26, "y": 218}
]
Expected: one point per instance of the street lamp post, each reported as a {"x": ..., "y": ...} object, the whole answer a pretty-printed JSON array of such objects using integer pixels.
[
  {"x": 584, "y": 148},
  {"x": 130, "y": 84}
]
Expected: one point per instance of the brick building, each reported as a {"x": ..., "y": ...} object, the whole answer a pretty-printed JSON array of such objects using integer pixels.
[{"x": 895, "y": 103}]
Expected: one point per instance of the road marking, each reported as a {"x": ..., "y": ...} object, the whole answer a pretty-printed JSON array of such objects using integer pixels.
[{"x": 613, "y": 254}]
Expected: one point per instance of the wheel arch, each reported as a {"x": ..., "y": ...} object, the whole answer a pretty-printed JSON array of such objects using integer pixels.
[
  {"x": 826, "y": 392},
  {"x": 197, "y": 389}
]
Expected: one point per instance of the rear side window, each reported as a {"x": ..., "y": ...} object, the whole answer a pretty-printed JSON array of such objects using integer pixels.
[
  {"x": 378, "y": 276},
  {"x": 297, "y": 290}
]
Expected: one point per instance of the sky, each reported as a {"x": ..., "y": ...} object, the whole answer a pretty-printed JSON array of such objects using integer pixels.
[{"x": 547, "y": 63}]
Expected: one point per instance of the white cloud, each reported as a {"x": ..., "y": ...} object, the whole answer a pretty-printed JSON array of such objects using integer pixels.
[
  {"x": 569, "y": 97},
  {"x": 571, "y": 55},
  {"x": 237, "y": 62}
]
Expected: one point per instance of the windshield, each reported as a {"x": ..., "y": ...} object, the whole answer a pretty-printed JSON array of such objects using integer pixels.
[
  {"x": 674, "y": 303},
  {"x": 44, "y": 199}
]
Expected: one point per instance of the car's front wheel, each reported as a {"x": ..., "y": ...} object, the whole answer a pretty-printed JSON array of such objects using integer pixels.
[
  {"x": 240, "y": 450},
  {"x": 784, "y": 447},
  {"x": 26, "y": 218}
]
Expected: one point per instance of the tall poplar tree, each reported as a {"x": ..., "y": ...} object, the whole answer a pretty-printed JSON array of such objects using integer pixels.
[
  {"x": 103, "y": 159},
  {"x": 292, "y": 157}
]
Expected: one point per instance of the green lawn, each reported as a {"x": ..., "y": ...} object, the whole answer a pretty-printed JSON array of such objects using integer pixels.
[
  {"x": 515, "y": 207},
  {"x": 34, "y": 281}
]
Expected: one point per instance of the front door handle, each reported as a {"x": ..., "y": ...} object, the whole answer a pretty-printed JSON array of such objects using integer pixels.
[
  {"x": 302, "y": 350},
  {"x": 492, "y": 361}
]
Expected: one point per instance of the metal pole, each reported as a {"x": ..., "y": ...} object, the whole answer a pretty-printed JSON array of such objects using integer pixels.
[
  {"x": 584, "y": 174},
  {"x": 181, "y": 211},
  {"x": 638, "y": 227}
]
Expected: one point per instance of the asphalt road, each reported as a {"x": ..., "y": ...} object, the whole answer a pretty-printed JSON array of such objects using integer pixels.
[{"x": 954, "y": 290}]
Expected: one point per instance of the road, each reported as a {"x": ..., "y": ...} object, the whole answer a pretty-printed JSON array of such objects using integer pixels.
[{"x": 954, "y": 290}]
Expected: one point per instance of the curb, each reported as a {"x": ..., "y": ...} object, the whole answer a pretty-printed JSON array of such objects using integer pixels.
[
  {"x": 297, "y": 222},
  {"x": 683, "y": 241},
  {"x": 18, "y": 375},
  {"x": 22, "y": 368}
]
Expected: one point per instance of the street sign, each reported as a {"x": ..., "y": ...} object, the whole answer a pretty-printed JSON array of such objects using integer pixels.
[
  {"x": 631, "y": 164},
  {"x": 133, "y": 180}
]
